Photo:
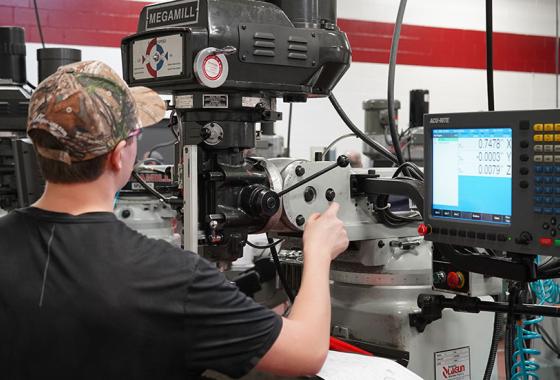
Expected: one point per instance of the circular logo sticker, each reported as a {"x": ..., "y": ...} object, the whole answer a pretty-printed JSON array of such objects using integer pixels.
[{"x": 212, "y": 67}]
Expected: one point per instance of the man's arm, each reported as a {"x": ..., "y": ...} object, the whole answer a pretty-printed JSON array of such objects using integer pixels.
[{"x": 303, "y": 343}]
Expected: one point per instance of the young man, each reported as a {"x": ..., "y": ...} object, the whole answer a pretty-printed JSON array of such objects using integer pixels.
[{"x": 82, "y": 296}]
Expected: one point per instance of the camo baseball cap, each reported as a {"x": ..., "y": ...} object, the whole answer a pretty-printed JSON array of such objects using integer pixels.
[{"x": 89, "y": 109}]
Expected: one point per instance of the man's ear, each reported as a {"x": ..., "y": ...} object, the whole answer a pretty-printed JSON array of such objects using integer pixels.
[{"x": 115, "y": 160}]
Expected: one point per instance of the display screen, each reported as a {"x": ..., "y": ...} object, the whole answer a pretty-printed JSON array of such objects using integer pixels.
[{"x": 472, "y": 174}]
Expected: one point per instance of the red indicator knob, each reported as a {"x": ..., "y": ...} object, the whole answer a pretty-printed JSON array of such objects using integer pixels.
[
  {"x": 423, "y": 230},
  {"x": 455, "y": 280},
  {"x": 546, "y": 242}
]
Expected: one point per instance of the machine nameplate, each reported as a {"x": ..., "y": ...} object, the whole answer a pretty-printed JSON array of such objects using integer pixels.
[
  {"x": 173, "y": 14},
  {"x": 184, "y": 101},
  {"x": 157, "y": 57},
  {"x": 214, "y": 101},
  {"x": 453, "y": 364}
]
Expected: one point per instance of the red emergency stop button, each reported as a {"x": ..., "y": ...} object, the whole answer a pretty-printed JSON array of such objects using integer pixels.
[
  {"x": 546, "y": 242},
  {"x": 455, "y": 280},
  {"x": 423, "y": 230}
]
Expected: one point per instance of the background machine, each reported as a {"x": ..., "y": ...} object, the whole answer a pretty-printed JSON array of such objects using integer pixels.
[{"x": 225, "y": 63}]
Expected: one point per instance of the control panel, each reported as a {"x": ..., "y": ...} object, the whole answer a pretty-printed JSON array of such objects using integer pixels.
[{"x": 493, "y": 180}]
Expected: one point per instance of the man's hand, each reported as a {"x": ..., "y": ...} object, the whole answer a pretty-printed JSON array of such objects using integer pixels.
[{"x": 325, "y": 233}]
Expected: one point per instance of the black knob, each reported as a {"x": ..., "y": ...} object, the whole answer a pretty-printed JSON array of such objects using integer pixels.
[
  {"x": 309, "y": 194},
  {"x": 205, "y": 133},
  {"x": 343, "y": 161},
  {"x": 125, "y": 214},
  {"x": 524, "y": 144},
  {"x": 524, "y": 171},
  {"x": 300, "y": 220},
  {"x": 258, "y": 200},
  {"x": 300, "y": 170},
  {"x": 330, "y": 194},
  {"x": 524, "y": 238},
  {"x": 524, "y": 184},
  {"x": 524, "y": 157}
]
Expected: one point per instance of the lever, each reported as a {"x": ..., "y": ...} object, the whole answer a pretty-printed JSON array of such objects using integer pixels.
[
  {"x": 226, "y": 50},
  {"x": 341, "y": 161}
]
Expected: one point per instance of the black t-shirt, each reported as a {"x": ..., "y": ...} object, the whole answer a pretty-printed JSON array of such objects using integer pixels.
[{"x": 86, "y": 297}]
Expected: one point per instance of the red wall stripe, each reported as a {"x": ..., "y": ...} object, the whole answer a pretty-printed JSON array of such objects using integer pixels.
[
  {"x": 442, "y": 47},
  {"x": 106, "y": 22}
]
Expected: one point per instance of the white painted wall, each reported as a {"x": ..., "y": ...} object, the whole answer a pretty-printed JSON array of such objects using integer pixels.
[
  {"x": 535, "y": 17},
  {"x": 452, "y": 90}
]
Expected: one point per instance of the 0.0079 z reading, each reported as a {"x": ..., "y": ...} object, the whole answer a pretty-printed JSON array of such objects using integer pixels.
[
  {"x": 488, "y": 156},
  {"x": 489, "y": 169}
]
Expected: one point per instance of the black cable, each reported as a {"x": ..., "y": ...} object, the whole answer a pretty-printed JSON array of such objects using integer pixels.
[
  {"x": 280, "y": 271},
  {"x": 39, "y": 23},
  {"x": 498, "y": 324},
  {"x": 288, "y": 144},
  {"x": 264, "y": 246},
  {"x": 391, "y": 83},
  {"x": 489, "y": 56},
  {"x": 365, "y": 138}
]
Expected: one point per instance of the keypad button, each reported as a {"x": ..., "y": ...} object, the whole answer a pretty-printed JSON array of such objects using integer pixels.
[
  {"x": 548, "y": 189},
  {"x": 538, "y": 127},
  {"x": 548, "y": 138},
  {"x": 538, "y": 148},
  {"x": 557, "y": 202},
  {"x": 548, "y": 158},
  {"x": 539, "y": 179},
  {"x": 539, "y": 168},
  {"x": 539, "y": 189},
  {"x": 537, "y": 210},
  {"x": 557, "y": 190},
  {"x": 548, "y": 127},
  {"x": 549, "y": 169},
  {"x": 557, "y": 127},
  {"x": 538, "y": 199},
  {"x": 557, "y": 158},
  {"x": 556, "y": 138},
  {"x": 548, "y": 210},
  {"x": 557, "y": 180},
  {"x": 557, "y": 211},
  {"x": 536, "y": 158},
  {"x": 557, "y": 148},
  {"x": 548, "y": 180},
  {"x": 538, "y": 138},
  {"x": 548, "y": 200},
  {"x": 548, "y": 148},
  {"x": 545, "y": 226}
]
